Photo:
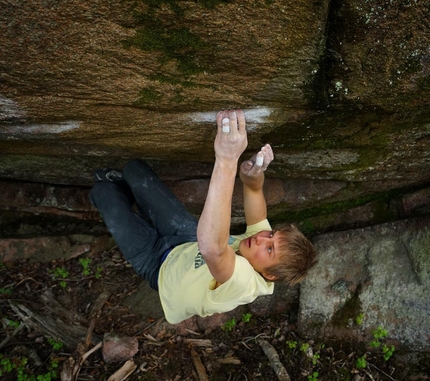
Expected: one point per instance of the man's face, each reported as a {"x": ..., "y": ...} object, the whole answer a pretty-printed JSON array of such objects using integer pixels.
[{"x": 261, "y": 250}]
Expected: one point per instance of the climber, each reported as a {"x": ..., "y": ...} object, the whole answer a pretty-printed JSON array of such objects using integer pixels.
[{"x": 198, "y": 267}]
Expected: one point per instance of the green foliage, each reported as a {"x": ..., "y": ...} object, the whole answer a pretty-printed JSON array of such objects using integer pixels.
[
  {"x": 292, "y": 344},
  {"x": 313, "y": 376},
  {"x": 18, "y": 367},
  {"x": 98, "y": 272},
  {"x": 5, "y": 365},
  {"x": 359, "y": 319},
  {"x": 304, "y": 347},
  {"x": 378, "y": 334},
  {"x": 61, "y": 273},
  {"x": 361, "y": 362},
  {"x": 387, "y": 351},
  {"x": 12, "y": 323},
  {"x": 6, "y": 291},
  {"x": 56, "y": 345},
  {"x": 315, "y": 358},
  {"x": 229, "y": 325},
  {"x": 85, "y": 263},
  {"x": 246, "y": 318}
]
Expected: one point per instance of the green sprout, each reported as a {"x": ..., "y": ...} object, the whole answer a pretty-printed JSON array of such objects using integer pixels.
[
  {"x": 304, "y": 347},
  {"x": 6, "y": 291},
  {"x": 246, "y": 317},
  {"x": 229, "y": 325},
  {"x": 359, "y": 319},
  {"x": 99, "y": 271},
  {"x": 12, "y": 323},
  {"x": 61, "y": 273},
  {"x": 361, "y": 362},
  {"x": 315, "y": 358},
  {"x": 56, "y": 345},
  {"x": 387, "y": 351},
  {"x": 85, "y": 262},
  {"x": 378, "y": 334},
  {"x": 17, "y": 368},
  {"x": 313, "y": 376},
  {"x": 292, "y": 344}
]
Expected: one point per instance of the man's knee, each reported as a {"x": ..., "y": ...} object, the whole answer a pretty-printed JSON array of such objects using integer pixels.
[
  {"x": 136, "y": 170},
  {"x": 101, "y": 189}
]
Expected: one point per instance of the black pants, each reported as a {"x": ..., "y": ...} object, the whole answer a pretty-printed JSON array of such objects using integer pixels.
[{"x": 161, "y": 222}]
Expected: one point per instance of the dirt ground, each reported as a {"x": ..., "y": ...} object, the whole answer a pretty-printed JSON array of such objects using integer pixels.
[{"x": 231, "y": 352}]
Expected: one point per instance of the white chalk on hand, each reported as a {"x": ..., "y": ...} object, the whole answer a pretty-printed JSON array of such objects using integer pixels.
[
  {"x": 226, "y": 125},
  {"x": 259, "y": 160}
]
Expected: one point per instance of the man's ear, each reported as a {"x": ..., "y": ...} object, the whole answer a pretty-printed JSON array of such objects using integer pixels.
[{"x": 269, "y": 277}]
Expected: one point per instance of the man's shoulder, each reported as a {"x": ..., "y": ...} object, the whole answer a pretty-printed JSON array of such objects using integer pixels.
[{"x": 258, "y": 227}]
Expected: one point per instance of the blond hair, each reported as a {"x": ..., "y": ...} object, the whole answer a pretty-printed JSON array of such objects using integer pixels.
[{"x": 297, "y": 256}]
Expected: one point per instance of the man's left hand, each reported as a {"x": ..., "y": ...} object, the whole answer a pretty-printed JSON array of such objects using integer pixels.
[{"x": 257, "y": 163}]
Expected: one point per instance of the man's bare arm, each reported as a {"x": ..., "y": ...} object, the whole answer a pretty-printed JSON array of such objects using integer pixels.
[
  {"x": 214, "y": 224},
  {"x": 252, "y": 176}
]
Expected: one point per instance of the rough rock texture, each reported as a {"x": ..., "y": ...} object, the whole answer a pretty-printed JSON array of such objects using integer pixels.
[
  {"x": 340, "y": 89},
  {"x": 119, "y": 348},
  {"x": 381, "y": 272}
]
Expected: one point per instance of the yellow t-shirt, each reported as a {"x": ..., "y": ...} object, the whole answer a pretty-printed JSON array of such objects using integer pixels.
[{"x": 186, "y": 285}]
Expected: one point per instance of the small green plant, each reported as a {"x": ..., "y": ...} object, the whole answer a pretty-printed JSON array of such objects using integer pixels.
[
  {"x": 6, "y": 291},
  {"x": 61, "y": 273},
  {"x": 292, "y": 344},
  {"x": 246, "y": 318},
  {"x": 56, "y": 345},
  {"x": 98, "y": 273},
  {"x": 313, "y": 376},
  {"x": 359, "y": 319},
  {"x": 12, "y": 323},
  {"x": 361, "y": 362},
  {"x": 387, "y": 351},
  {"x": 5, "y": 365},
  {"x": 304, "y": 347},
  {"x": 229, "y": 325},
  {"x": 378, "y": 334},
  {"x": 18, "y": 367},
  {"x": 315, "y": 358},
  {"x": 85, "y": 262}
]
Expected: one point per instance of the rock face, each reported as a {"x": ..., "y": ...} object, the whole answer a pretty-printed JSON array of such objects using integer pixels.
[
  {"x": 340, "y": 89},
  {"x": 380, "y": 274}
]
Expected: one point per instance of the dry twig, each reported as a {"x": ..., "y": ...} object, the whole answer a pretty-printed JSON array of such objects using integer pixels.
[
  {"x": 124, "y": 372},
  {"x": 17, "y": 329},
  {"x": 198, "y": 342},
  {"x": 275, "y": 363},
  {"x": 200, "y": 368}
]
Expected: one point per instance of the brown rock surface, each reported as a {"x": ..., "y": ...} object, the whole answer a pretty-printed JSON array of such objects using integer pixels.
[{"x": 340, "y": 90}]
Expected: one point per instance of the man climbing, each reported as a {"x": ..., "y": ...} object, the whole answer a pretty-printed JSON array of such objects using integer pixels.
[{"x": 198, "y": 268}]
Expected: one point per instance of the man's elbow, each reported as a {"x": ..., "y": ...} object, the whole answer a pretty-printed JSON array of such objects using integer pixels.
[{"x": 210, "y": 248}]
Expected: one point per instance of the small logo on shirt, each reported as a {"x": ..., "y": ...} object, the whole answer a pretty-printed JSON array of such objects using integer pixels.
[{"x": 199, "y": 261}]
